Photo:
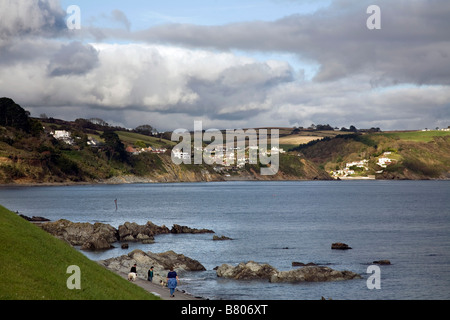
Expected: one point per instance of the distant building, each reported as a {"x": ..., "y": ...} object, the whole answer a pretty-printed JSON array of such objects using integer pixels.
[
  {"x": 62, "y": 135},
  {"x": 358, "y": 164},
  {"x": 181, "y": 155}
]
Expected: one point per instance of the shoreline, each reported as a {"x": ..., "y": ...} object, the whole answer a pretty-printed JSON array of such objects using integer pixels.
[
  {"x": 158, "y": 290},
  {"x": 143, "y": 181}
]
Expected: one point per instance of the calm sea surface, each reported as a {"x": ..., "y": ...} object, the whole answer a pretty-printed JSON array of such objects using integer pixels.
[{"x": 406, "y": 222}]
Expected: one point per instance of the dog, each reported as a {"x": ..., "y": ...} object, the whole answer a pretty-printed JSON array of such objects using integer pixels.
[
  {"x": 163, "y": 283},
  {"x": 132, "y": 276}
]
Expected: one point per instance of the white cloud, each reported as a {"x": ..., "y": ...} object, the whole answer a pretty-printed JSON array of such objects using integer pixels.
[
  {"x": 195, "y": 75},
  {"x": 30, "y": 17}
]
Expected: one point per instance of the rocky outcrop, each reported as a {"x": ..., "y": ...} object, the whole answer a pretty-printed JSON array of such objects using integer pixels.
[
  {"x": 97, "y": 242},
  {"x": 382, "y": 262},
  {"x": 340, "y": 246},
  {"x": 176, "y": 228},
  {"x": 95, "y": 236},
  {"x": 131, "y": 231},
  {"x": 246, "y": 271},
  {"x": 313, "y": 274},
  {"x": 34, "y": 218},
  {"x": 100, "y": 236},
  {"x": 301, "y": 264},
  {"x": 161, "y": 263},
  {"x": 221, "y": 238},
  {"x": 252, "y": 270}
]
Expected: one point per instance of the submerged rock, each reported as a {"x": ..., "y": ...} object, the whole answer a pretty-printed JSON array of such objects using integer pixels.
[
  {"x": 221, "y": 238},
  {"x": 34, "y": 218},
  {"x": 340, "y": 246},
  {"x": 176, "y": 228},
  {"x": 382, "y": 262},
  {"x": 301, "y": 264}
]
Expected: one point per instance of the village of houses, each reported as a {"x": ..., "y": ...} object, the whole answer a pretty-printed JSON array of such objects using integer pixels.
[
  {"x": 66, "y": 137},
  {"x": 225, "y": 157},
  {"x": 363, "y": 165}
]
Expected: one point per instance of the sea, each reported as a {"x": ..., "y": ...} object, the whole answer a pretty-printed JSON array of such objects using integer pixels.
[{"x": 277, "y": 222}]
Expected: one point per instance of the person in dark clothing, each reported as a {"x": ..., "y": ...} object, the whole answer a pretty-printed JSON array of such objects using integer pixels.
[
  {"x": 150, "y": 274},
  {"x": 133, "y": 268}
]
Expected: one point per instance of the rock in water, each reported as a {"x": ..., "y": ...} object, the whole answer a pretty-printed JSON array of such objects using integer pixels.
[
  {"x": 131, "y": 231},
  {"x": 253, "y": 270},
  {"x": 161, "y": 263},
  {"x": 313, "y": 274},
  {"x": 246, "y": 271},
  {"x": 221, "y": 238},
  {"x": 96, "y": 236},
  {"x": 176, "y": 228},
  {"x": 340, "y": 246},
  {"x": 382, "y": 262}
]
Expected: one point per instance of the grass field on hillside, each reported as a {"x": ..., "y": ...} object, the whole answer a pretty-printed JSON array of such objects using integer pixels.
[
  {"x": 33, "y": 266},
  {"x": 130, "y": 138},
  {"x": 417, "y": 136}
]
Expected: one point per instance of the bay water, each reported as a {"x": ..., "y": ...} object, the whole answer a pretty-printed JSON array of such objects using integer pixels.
[{"x": 276, "y": 222}]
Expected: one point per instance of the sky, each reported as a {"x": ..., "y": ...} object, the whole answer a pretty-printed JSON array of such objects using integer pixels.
[{"x": 230, "y": 64}]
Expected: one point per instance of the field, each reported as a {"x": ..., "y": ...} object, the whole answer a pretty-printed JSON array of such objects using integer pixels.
[
  {"x": 295, "y": 140},
  {"x": 130, "y": 138},
  {"x": 416, "y": 136},
  {"x": 33, "y": 266},
  {"x": 289, "y": 140}
]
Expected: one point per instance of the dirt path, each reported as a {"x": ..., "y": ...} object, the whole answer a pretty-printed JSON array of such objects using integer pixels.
[{"x": 158, "y": 290}]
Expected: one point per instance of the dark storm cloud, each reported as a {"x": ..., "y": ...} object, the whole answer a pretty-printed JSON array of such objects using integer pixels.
[
  {"x": 74, "y": 58},
  {"x": 240, "y": 91},
  {"x": 413, "y": 45}
]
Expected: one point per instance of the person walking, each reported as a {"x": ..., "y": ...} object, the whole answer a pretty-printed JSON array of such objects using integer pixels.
[
  {"x": 150, "y": 274},
  {"x": 172, "y": 281},
  {"x": 133, "y": 268}
]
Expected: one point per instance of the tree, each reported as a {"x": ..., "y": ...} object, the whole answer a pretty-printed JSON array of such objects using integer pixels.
[
  {"x": 13, "y": 115},
  {"x": 324, "y": 127},
  {"x": 115, "y": 149},
  {"x": 145, "y": 129},
  {"x": 99, "y": 122}
]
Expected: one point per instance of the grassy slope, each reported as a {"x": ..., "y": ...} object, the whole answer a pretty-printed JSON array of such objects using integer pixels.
[
  {"x": 416, "y": 136},
  {"x": 33, "y": 266},
  {"x": 419, "y": 155},
  {"x": 130, "y": 138}
]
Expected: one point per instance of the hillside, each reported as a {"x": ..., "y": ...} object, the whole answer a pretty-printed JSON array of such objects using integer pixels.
[
  {"x": 408, "y": 155},
  {"x": 54, "y": 151},
  {"x": 33, "y": 266}
]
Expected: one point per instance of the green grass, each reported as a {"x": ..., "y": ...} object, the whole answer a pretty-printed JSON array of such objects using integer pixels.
[
  {"x": 131, "y": 138},
  {"x": 33, "y": 266},
  {"x": 417, "y": 136}
]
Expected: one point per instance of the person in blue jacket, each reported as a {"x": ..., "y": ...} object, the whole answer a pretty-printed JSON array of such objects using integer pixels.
[{"x": 172, "y": 281}]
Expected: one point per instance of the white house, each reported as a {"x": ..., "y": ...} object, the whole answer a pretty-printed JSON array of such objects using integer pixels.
[
  {"x": 62, "y": 135},
  {"x": 384, "y": 162},
  {"x": 275, "y": 150},
  {"x": 358, "y": 164},
  {"x": 181, "y": 155}
]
